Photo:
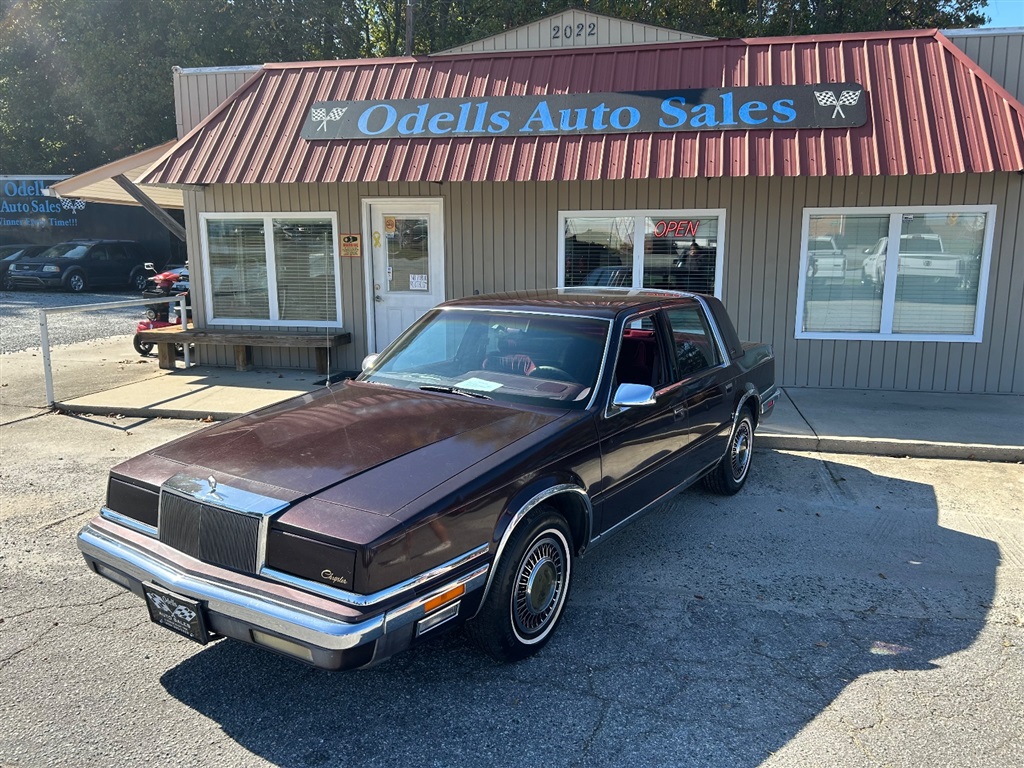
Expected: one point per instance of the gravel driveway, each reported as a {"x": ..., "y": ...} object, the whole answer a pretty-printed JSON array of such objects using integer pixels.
[{"x": 19, "y": 317}]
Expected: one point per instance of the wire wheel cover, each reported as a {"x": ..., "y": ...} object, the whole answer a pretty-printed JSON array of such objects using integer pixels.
[
  {"x": 539, "y": 586},
  {"x": 739, "y": 454}
]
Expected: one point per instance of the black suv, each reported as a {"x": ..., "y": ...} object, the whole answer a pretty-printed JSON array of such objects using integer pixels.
[{"x": 79, "y": 264}]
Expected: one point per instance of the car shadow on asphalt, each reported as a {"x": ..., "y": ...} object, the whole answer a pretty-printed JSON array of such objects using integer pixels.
[{"x": 710, "y": 632}]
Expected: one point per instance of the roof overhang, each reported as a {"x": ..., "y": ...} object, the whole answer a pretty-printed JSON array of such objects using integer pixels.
[
  {"x": 99, "y": 185},
  {"x": 930, "y": 110}
]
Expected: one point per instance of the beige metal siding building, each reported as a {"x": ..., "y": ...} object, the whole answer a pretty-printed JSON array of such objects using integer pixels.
[{"x": 791, "y": 226}]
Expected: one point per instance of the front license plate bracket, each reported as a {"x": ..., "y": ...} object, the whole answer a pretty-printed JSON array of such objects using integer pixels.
[{"x": 176, "y": 613}]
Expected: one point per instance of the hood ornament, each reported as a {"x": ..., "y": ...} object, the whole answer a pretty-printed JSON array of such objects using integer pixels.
[{"x": 213, "y": 484}]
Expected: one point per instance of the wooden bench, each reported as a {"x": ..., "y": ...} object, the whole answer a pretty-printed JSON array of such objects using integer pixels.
[{"x": 243, "y": 341}]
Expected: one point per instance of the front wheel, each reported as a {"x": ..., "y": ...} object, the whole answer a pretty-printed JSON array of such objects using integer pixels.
[
  {"x": 731, "y": 472},
  {"x": 138, "y": 281},
  {"x": 75, "y": 282},
  {"x": 529, "y": 590}
]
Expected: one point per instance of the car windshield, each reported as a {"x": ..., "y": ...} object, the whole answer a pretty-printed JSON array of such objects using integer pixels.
[
  {"x": 521, "y": 357},
  {"x": 64, "y": 251}
]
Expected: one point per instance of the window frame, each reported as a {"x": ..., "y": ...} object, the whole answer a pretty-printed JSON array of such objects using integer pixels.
[
  {"x": 270, "y": 255},
  {"x": 895, "y": 214},
  {"x": 639, "y": 214}
]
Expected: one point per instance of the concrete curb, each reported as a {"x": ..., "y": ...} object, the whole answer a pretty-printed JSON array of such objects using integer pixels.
[
  {"x": 914, "y": 449},
  {"x": 145, "y": 413}
]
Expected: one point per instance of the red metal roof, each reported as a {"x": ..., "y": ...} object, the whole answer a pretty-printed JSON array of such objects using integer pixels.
[{"x": 931, "y": 109}]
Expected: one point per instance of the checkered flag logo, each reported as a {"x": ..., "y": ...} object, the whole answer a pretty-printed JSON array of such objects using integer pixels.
[
  {"x": 183, "y": 613},
  {"x": 72, "y": 205},
  {"x": 845, "y": 99},
  {"x": 321, "y": 115}
]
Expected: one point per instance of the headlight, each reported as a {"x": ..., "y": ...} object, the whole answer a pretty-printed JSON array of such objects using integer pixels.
[
  {"x": 134, "y": 501},
  {"x": 51, "y": 268},
  {"x": 151, "y": 314}
]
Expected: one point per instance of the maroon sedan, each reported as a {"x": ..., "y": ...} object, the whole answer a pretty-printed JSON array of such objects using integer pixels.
[{"x": 455, "y": 480}]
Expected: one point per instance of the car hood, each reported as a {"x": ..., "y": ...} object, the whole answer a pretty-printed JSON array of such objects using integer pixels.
[{"x": 314, "y": 444}]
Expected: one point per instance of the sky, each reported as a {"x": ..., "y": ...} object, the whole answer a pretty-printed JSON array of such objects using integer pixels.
[{"x": 1005, "y": 13}]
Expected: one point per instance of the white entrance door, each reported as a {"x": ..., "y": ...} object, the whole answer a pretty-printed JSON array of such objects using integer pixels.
[{"x": 406, "y": 269}]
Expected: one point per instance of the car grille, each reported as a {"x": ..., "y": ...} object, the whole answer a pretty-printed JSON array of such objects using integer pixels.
[{"x": 209, "y": 533}]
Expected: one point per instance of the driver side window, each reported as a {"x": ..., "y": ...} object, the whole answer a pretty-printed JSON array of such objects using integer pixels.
[{"x": 642, "y": 358}]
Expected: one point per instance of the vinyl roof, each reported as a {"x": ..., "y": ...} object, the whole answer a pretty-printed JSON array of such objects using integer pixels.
[{"x": 931, "y": 109}]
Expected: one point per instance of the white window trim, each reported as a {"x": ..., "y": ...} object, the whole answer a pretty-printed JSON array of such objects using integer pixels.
[
  {"x": 639, "y": 214},
  {"x": 271, "y": 256},
  {"x": 889, "y": 295}
]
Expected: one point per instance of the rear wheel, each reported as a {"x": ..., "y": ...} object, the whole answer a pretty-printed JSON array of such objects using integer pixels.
[
  {"x": 529, "y": 590},
  {"x": 142, "y": 347},
  {"x": 138, "y": 280},
  {"x": 731, "y": 472},
  {"x": 75, "y": 282}
]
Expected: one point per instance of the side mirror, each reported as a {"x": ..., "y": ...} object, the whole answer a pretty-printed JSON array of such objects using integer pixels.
[
  {"x": 633, "y": 395},
  {"x": 149, "y": 265},
  {"x": 369, "y": 360}
]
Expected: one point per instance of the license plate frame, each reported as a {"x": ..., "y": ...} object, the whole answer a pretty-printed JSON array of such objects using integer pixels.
[{"x": 177, "y": 613}]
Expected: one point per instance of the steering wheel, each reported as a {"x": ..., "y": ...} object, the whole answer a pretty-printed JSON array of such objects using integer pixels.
[{"x": 550, "y": 372}]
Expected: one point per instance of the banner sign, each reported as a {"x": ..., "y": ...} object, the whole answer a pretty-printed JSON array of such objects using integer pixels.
[
  {"x": 24, "y": 204},
  {"x": 827, "y": 105}
]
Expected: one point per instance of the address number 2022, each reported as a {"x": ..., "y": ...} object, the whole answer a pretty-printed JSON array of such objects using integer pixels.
[{"x": 569, "y": 32}]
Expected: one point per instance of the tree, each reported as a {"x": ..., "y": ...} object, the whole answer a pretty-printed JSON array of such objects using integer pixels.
[{"x": 83, "y": 82}]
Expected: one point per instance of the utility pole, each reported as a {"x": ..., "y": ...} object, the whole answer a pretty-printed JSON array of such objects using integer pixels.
[{"x": 408, "y": 28}]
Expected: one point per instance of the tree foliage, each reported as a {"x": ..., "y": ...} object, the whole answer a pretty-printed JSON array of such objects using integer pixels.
[{"x": 83, "y": 82}]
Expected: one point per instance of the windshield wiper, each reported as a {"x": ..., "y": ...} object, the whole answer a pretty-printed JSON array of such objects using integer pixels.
[{"x": 453, "y": 391}]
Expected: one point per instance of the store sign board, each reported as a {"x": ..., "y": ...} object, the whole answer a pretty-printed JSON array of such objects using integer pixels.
[{"x": 826, "y": 105}]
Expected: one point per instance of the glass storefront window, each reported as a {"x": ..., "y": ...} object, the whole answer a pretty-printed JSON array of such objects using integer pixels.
[
  {"x": 680, "y": 253},
  {"x": 599, "y": 251},
  {"x": 854, "y": 283},
  {"x": 288, "y": 278},
  {"x": 937, "y": 277},
  {"x": 304, "y": 264},
  {"x": 840, "y": 293},
  {"x": 238, "y": 269},
  {"x": 677, "y": 250}
]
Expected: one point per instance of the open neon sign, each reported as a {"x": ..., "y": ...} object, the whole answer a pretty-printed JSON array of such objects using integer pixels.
[{"x": 677, "y": 228}]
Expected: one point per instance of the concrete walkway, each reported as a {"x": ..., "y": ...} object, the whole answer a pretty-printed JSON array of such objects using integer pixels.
[
  {"x": 918, "y": 424},
  {"x": 108, "y": 377}
]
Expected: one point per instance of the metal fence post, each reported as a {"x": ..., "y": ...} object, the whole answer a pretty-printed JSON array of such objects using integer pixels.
[
  {"x": 183, "y": 315},
  {"x": 44, "y": 338}
]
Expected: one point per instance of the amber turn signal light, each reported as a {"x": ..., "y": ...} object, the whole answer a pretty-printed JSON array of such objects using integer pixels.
[{"x": 444, "y": 597}]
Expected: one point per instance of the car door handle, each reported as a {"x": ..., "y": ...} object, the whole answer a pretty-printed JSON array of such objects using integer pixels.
[
  {"x": 680, "y": 411},
  {"x": 728, "y": 388}
]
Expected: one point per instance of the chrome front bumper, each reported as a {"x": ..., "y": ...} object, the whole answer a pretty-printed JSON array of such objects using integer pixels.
[{"x": 329, "y": 635}]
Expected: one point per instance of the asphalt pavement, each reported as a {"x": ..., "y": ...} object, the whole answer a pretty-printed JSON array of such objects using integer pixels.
[{"x": 842, "y": 609}]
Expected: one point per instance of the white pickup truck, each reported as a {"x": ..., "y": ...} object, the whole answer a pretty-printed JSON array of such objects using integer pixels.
[{"x": 922, "y": 257}]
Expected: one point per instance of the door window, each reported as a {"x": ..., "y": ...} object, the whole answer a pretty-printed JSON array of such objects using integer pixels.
[
  {"x": 694, "y": 346},
  {"x": 642, "y": 358},
  {"x": 407, "y": 263}
]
